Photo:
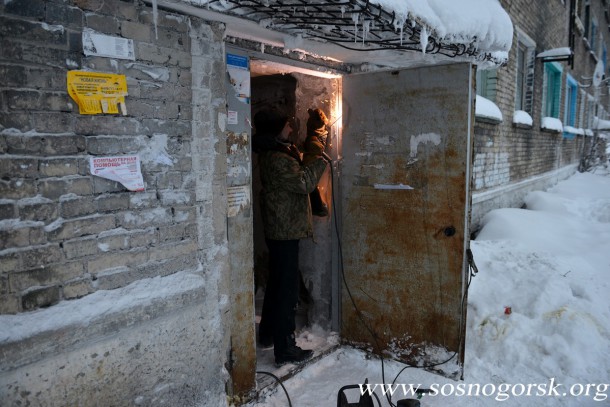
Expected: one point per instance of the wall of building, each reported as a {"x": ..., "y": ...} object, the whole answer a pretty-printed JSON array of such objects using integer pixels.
[
  {"x": 139, "y": 278},
  {"x": 507, "y": 155}
]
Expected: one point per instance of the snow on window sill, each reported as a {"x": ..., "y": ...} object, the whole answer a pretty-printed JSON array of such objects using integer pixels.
[
  {"x": 522, "y": 119},
  {"x": 570, "y": 132},
  {"x": 486, "y": 111},
  {"x": 488, "y": 120},
  {"x": 551, "y": 124}
]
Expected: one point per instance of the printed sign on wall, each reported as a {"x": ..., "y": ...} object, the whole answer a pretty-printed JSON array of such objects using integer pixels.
[
  {"x": 103, "y": 45},
  {"x": 239, "y": 76},
  {"x": 124, "y": 169},
  {"x": 97, "y": 93}
]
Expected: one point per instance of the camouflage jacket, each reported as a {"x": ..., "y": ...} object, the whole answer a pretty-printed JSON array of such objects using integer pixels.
[{"x": 287, "y": 182}]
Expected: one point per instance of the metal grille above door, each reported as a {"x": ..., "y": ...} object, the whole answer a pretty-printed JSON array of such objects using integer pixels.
[{"x": 352, "y": 24}]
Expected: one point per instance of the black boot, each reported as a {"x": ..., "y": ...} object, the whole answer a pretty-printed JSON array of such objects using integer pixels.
[
  {"x": 290, "y": 352},
  {"x": 265, "y": 340}
]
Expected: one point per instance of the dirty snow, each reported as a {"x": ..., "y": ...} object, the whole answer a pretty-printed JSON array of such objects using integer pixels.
[
  {"x": 101, "y": 303},
  {"x": 549, "y": 263}
]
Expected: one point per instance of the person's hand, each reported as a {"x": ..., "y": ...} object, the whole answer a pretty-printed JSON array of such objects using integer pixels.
[{"x": 322, "y": 138}]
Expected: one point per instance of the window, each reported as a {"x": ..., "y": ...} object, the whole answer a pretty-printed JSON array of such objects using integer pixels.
[
  {"x": 486, "y": 83},
  {"x": 552, "y": 90},
  {"x": 569, "y": 118},
  {"x": 524, "y": 82},
  {"x": 581, "y": 112},
  {"x": 571, "y": 100},
  {"x": 593, "y": 35},
  {"x": 586, "y": 17},
  {"x": 591, "y": 31}
]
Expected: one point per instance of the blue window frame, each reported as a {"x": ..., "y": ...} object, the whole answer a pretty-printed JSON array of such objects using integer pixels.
[
  {"x": 571, "y": 104},
  {"x": 552, "y": 95}
]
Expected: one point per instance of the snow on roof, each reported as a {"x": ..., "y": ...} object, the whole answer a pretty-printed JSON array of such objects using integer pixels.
[
  {"x": 484, "y": 21},
  {"x": 555, "y": 52},
  {"x": 478, "y": 30}
]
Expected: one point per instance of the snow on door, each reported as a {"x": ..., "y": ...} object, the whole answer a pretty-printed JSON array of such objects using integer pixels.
[{"x": 406, "y": 201}]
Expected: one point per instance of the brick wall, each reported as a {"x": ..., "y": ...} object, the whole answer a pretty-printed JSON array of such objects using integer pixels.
[
  {"x": 506, "y": 153},
  {"x": 84, "y": 247},
  {"x": 63, "y": 232}
]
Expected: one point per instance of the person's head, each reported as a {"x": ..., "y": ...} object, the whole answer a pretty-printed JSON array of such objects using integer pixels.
[{"x": 272, "y": 122}]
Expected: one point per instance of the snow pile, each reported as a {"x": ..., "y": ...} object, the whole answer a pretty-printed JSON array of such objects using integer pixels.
[{"x": 548, "y": 263}]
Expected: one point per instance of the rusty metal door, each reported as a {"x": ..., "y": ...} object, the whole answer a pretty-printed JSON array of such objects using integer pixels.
[{"x": 405, "y": 180}]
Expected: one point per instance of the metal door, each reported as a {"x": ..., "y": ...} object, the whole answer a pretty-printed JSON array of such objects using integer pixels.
[{"x": 405, "y": 180}]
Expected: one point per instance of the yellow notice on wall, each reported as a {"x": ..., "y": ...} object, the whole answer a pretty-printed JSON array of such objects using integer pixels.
[{"x": 97, "y": 92}]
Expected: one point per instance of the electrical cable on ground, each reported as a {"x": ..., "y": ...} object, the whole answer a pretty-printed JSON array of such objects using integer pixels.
[{"x": 277, "y": 379}]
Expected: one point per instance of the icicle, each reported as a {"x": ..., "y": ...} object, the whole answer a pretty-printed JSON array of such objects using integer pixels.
[
  {"x": 401, "y": 33},
  {"x": 399, "y": 26},
  {"x": 342, "y": 11},
  {"x": 355, "y": 20},
  {"x": 423, "y": 39},
  {"x": 366, "y": 24},
  {"x": 155, "y": 17},
  {"x": 262, "y": 48}
]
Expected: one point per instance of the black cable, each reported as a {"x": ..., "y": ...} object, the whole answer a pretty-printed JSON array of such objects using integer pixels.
[
  {"x": 377, "y": 398},
  {"x": 349, "y": 293},
  {"x": 277, "y": 379}
]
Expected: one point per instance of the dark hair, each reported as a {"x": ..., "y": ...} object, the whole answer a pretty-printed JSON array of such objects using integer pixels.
[{"x": 270, "y": 121}]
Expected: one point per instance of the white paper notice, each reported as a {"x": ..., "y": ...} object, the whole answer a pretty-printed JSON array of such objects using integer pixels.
[
  {"x": 238, "y": 197},
  {"x": 232, "y": 117},
  {"x": 102, "y": 45},
  {"x": 124, "y": 169}
]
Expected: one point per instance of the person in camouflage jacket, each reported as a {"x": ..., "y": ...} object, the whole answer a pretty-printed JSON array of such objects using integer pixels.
[{"x": 286, "y": 213}]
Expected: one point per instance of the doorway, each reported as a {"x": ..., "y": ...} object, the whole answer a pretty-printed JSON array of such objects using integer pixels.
[
  {"x": 280, "y": 86},
  {"x": 402, "y": 142}
]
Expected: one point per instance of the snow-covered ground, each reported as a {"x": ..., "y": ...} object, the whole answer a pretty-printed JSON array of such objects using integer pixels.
[{"x": 550, "y": 263}]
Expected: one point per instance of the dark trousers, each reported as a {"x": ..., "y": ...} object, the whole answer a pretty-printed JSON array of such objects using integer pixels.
[{"x": 281, "y": 293}]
